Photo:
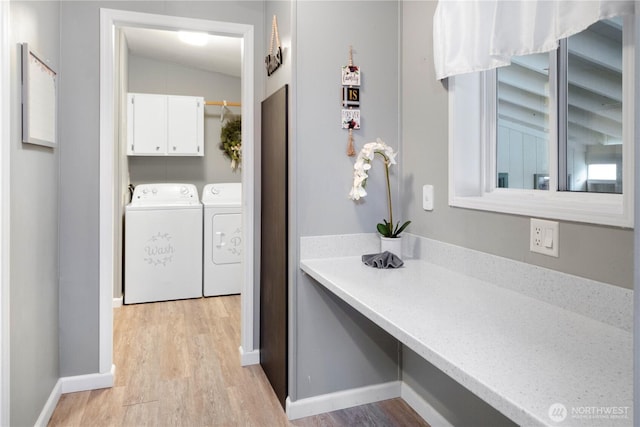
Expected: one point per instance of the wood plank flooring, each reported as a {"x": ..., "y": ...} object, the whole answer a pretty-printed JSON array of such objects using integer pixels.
[{"x": 177, "y": 364}]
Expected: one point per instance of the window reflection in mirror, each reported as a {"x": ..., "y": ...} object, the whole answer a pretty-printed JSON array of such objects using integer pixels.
[
  {"x": 593, "y": 88},
  {"x": 594, "y": 113},
  {"x": 522, "y": 145}
]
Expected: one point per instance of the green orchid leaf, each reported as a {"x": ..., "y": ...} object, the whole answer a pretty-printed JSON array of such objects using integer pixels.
[
  {"x": 402, "y": 228},
  {"x": 382, "y": 229}
]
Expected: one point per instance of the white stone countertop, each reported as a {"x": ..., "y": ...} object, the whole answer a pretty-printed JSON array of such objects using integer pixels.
[{"x": 519, "y": 354}]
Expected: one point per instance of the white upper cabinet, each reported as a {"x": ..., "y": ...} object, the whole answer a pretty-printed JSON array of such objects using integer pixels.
[
  {"x": 165, "y": 125},
  {"x": 185, "y": 128},
  {"x": 145, "y": 131}
]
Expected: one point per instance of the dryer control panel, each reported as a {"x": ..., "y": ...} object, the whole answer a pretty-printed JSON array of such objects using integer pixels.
[
  {"x": 222, "y": 194},
  {"x": 165, "y": 194}
]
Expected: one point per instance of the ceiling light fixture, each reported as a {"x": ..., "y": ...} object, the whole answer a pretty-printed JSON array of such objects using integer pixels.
[{"x": 195, "y": 39}]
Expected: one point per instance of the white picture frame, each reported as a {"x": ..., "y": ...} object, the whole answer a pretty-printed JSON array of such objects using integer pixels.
[{"x": 39, "y": 99}]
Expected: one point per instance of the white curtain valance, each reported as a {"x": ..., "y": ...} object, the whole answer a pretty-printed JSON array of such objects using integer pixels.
[{"x": 477, "y": 35}]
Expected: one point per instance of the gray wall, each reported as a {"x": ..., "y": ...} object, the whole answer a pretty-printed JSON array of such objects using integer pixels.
[
  {"x": 34, "y": 230},
  {"x": 596, "y": 252},
  {"x": 454, "y": 402},
  {"x": 79, "y": 162},
  {"x": 153, "y": 76},
  {"x": 336, "y": 348}
]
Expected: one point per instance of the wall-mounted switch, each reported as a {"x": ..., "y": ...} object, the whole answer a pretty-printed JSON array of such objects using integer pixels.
[
  {"x": 543, "y": 237},
  {"x": 427, "y": 197}
]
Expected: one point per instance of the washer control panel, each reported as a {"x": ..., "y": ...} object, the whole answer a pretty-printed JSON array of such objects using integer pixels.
[{"x": 145, "y": 194}]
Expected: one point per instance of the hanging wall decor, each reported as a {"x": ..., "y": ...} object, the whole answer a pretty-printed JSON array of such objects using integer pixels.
[
  {"x": 273, "y": 60},
  {"x": 231, "y": 141},
  {"x": 350, "y": 100}
]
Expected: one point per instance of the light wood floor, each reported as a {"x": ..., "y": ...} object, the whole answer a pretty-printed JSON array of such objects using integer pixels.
[{"x": 177, "y": 364}]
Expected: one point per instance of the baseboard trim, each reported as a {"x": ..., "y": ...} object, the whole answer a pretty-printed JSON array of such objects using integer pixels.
[
  {"x": 250, "y": 357},
  {"x": 295, "y": 410},
  {"x": 422, "y": 407},
  {"x": 342, "y": 399},
  {"x": 117, "y": 302},
  {"x": 88, "y": 382},
  {"x": 70, "y": 385},
  {"x": 50, "y": 405}
]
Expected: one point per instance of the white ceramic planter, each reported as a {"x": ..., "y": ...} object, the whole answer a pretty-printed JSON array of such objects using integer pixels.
[{"x": 391, "y": 244}]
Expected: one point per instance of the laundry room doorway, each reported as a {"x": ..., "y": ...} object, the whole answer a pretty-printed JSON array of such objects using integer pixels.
[{"x": 115, "y": 165}]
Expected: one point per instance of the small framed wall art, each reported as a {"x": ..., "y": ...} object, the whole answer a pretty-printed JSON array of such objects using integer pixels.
[
  {"x": 350, "y": 119},
  {"x": 350, "y": 96},
  {"x": 39, "y": 99},
  {"x": 351, "y": 75}
]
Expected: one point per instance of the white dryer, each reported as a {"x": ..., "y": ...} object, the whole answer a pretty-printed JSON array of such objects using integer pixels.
[
  {"x": 223, "y": 239},
  {"x": 163, "y": 244}
]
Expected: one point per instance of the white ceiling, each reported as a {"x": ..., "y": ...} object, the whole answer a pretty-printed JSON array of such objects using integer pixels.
[{"x": 221, "y": 54}]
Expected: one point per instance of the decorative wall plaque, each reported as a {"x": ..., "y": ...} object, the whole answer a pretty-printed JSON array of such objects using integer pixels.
[
  {"x": 274, "y": 59},
  {"x": 350, "y": 98}
]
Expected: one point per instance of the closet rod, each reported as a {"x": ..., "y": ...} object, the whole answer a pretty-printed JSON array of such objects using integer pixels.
[{"x": 222, "y": 103}]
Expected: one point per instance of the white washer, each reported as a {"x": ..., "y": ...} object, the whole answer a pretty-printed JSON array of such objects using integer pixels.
[
  {"x": 163, "y": 244},
  {"x": 223, "y": 240}
]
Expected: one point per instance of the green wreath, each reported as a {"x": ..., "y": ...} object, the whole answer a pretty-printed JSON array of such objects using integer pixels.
[{"x": 231, "y": 141}]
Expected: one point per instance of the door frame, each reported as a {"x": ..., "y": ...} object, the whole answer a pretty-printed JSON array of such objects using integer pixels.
[
  {"x": 110, "y": 19},
  {"x": 5, "y": 149}
]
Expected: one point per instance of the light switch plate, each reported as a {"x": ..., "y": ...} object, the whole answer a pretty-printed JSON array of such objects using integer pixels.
[
  {"x": 427, "y": 197},
  {"x": 543, "y": 237}
]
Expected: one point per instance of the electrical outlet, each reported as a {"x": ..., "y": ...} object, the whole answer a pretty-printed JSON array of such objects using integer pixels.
[{"x": 543, "y": 237}]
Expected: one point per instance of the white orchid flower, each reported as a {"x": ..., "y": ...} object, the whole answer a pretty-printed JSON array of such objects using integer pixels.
[
  {"x": 360, "y": 176},
  {"x": 363, "y": 164}
]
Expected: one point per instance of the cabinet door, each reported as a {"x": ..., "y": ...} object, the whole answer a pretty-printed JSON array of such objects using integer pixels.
[
  {"x": 146, "y": 133},
  {"x": 185, "y": 126}
]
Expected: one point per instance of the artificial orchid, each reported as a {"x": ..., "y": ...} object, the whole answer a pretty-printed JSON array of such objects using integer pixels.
[{"x": 360, "y": 175}]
